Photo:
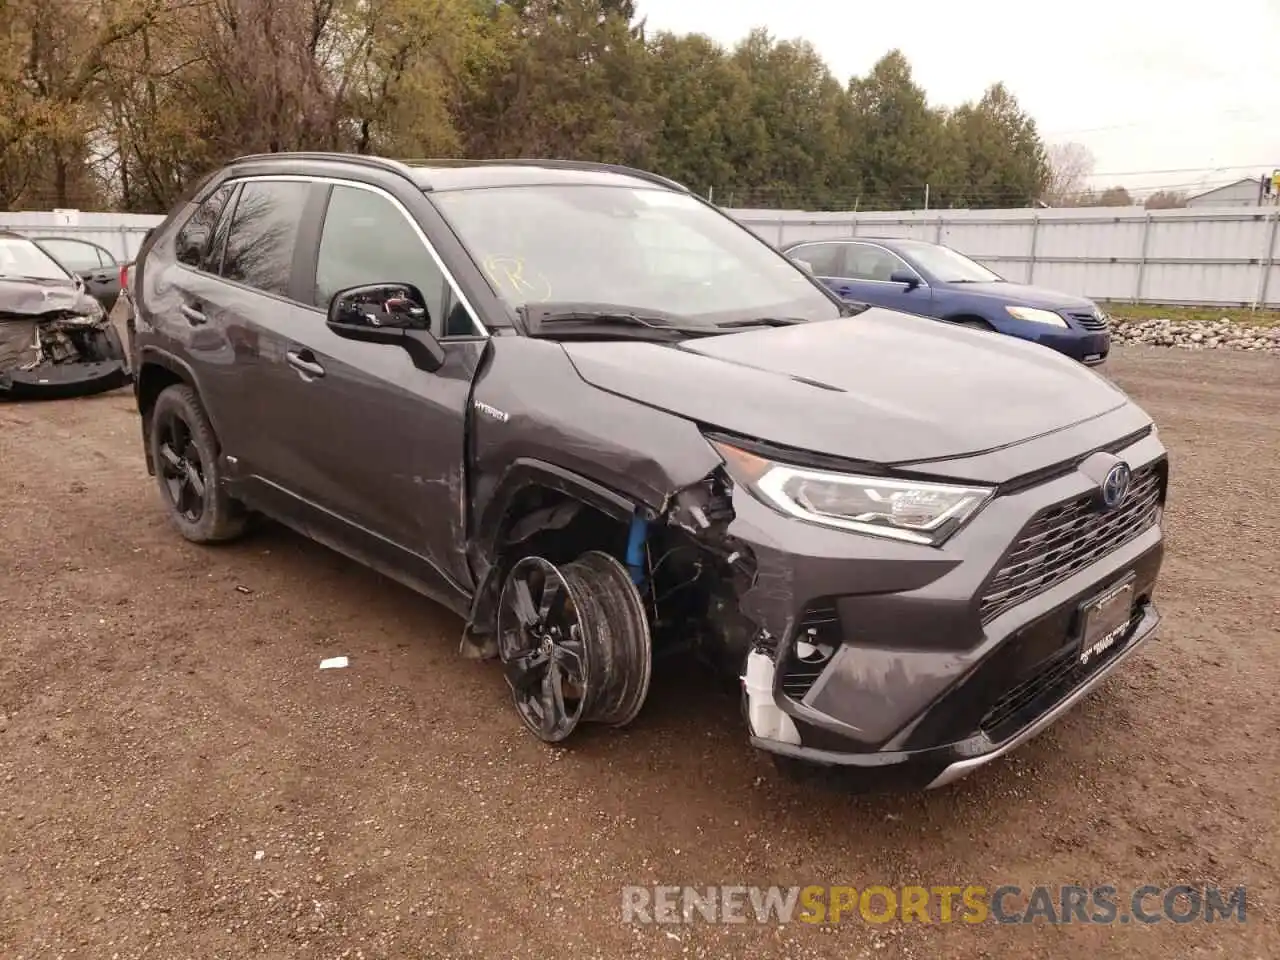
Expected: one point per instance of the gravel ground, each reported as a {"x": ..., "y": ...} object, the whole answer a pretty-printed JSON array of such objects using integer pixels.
[{"x": 178, "y": 779}]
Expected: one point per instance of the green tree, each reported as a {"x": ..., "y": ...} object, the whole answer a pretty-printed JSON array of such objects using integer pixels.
[
  {"x": 1001, "y": 159},
  {"x": 706, "y": 131},
  {"x": 129, "y": 102},
  {"x": 798, "y": 142},
  {"x": 898, "y": 140},
  {"x": 567, "y": 80}
]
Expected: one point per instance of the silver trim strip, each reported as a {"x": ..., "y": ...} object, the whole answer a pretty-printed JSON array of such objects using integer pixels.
[
  {"x": 448, "y": 276},
  {"x": 962, "y": 768}
]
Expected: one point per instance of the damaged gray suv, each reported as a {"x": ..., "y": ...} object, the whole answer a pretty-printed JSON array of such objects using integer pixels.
[{"x": 602, "y": 421}]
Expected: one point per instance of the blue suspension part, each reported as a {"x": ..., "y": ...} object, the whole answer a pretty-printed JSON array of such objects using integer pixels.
[{"x": 635, "y": 547}]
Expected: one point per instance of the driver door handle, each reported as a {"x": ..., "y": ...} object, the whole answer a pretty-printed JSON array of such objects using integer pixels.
[
  {"x": 193, "y": 315},
  {"x": 304, "y": 361}
]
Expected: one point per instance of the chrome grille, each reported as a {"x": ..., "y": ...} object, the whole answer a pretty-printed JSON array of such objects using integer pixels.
[
  {"x": 1089, "y": 321},
  {"x": 1066, "y": 538}
]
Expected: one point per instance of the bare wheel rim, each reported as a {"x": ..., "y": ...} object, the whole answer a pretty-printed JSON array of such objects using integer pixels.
[
  {"x": 542, "y": 648},
  {"x": 181, "y": 469},
  {"x": 620, "y": 633}
]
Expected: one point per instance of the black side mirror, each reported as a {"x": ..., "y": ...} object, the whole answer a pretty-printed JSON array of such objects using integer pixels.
[
  {"x": 905, "y": 276},
  {"x": 389, "y": 313}
]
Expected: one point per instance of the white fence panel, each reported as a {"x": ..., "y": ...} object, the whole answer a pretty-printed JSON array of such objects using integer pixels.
[
  {"x": 121, "y": 233},
  {"x": 1224, "y": 257},
  {"x": 1227, "y": 256}
]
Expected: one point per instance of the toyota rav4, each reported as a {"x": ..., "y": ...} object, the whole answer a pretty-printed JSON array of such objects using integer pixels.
[{"x": 603, "y": 421}]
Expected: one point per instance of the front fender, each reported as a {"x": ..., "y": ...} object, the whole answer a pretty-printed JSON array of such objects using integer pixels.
[
  {"x": 530, "y": 404},
  {"x": 535, "y": 421}
]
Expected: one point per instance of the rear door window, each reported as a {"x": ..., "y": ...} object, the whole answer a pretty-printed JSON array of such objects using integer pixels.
[
  {"x": 827, "y": 259},
  {"x": 264, "y": 234},
  {"x": 872, "y": 263},
  {"x": 78, "y": 255}
]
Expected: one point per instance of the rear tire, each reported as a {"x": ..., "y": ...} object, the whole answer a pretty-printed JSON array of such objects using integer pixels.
[{"x": 184, "y": 450}]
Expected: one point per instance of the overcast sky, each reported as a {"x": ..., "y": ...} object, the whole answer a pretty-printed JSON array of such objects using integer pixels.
[{"x": 1192, "y": 89}]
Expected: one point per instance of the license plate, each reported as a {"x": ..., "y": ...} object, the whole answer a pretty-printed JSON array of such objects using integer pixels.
[
  {"x": 1104, "y": 620},
  {"x": 1091, "y": 357}
]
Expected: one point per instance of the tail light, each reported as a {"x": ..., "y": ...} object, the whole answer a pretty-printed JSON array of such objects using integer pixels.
[{"x": 124, "y": 276}]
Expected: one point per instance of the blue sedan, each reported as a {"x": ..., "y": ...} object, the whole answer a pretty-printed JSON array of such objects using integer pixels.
[{"x": 932, "y": 280}]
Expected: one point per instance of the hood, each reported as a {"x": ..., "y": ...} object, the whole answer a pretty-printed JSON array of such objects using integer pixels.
[
  {"x": 1021, "y": 295},
  {"x": 27, "y": 298},
  {"x": 881, "y": 386}
]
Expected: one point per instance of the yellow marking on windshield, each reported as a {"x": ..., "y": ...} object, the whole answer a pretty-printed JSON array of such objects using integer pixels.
[{"x": 525, "y": 283}]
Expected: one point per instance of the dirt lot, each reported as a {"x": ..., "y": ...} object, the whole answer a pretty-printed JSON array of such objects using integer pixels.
[{"x": 159, "y": 727}]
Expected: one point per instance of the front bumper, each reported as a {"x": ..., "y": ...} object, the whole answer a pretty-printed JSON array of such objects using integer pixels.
[
  {"x": 938, "y": 766},
  {"x": 924, "y": 684},
  {"x": 1086, "y": 346},
  {"x": 63, "y": 381}
]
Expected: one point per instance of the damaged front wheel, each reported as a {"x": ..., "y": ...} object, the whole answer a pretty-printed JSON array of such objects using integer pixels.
[{"x": 574, "y": 644}]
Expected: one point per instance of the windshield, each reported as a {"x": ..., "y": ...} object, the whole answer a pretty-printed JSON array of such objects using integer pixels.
[
  {"x": 651, "y": 249},
  {"x": 948, "y": 266},
  {"x": 20, "y": 258}
]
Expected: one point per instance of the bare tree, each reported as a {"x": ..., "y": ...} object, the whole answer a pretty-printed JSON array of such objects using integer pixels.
[
  {"x": 1114, "y": 197},
  {"x": 1070, "y": 166},
  {"x": 1166, "y": 200}
]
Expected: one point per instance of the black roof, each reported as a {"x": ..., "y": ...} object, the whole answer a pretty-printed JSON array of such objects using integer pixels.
[{"x": 445, "y": 174}]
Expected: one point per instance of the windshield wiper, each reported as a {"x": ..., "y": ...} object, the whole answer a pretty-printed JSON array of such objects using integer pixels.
[
  {"x": 761, "y": 322},
  {"x": 578, "y": 319}
]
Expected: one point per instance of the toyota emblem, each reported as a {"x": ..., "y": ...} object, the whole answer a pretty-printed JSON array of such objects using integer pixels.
[{"x": 1115, "y": 485}]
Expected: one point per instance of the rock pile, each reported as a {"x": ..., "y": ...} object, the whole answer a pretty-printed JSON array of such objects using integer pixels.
[{"x": 1221, "y": 334}]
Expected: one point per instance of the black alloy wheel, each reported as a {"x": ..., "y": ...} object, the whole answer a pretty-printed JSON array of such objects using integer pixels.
[
  {"x": 180, "y": 467},
  {"x": 542, "y": 645}
]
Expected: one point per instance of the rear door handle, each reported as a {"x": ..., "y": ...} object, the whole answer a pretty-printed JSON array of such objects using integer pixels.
[
  {"x": 304, "y": 361},
  {"x": 193, "y": 315}
]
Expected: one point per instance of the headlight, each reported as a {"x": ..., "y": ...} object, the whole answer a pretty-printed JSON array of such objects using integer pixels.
[
  {"x": 915, "y": 511},
  {"x": 1033, "y": 315}
]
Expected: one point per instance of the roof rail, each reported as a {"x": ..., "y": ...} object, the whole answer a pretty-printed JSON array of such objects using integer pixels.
[
  {"x": 556, "y": 164},
  {"x": 363, "y": 159}
]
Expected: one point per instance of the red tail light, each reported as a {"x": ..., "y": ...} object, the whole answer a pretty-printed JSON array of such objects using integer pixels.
[{"x": 124, "y": 276}]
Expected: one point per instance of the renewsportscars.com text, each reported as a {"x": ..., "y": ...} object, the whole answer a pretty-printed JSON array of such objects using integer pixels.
[{"x": 970, "y": 904}]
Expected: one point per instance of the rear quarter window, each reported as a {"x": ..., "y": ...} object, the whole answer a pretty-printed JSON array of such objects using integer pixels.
[{"x": 192, "y": 246}]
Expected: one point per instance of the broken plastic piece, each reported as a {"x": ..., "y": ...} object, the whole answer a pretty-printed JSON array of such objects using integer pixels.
[
  {"x": 333, "y": 663},
  {"x": 767, "y": 721}
]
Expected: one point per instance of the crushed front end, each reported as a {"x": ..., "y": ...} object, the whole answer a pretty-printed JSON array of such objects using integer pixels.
[
  {"x": 60, "y": 352},
  {"x": 917, "y": 662}
]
